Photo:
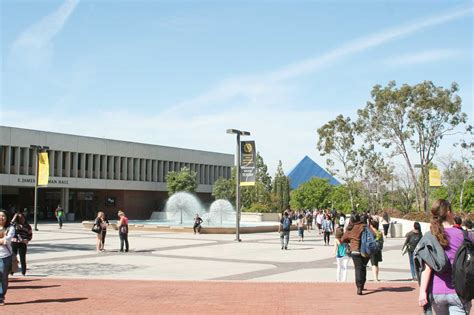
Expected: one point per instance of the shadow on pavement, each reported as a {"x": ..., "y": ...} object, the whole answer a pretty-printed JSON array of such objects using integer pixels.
[
  {"x": 390, "y": 289},
  {"x": 16, "y": 280},
  {"x": 49, "y": 301},
  {"x": 34, "y": 287}
]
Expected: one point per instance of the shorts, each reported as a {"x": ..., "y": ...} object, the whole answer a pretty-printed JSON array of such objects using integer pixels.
[{"x": 376, "y": 258}]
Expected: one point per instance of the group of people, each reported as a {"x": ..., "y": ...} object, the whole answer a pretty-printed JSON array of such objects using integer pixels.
[
  {"x": 100, "y": 228},
  {"x": 15, "y": 234}
]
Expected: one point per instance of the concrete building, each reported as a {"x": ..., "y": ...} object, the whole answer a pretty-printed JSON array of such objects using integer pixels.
[{"x": 89, "y": 174}]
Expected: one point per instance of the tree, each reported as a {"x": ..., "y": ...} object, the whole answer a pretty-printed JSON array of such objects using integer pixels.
[
  {"x": 184, "y": 180},
  {"x": 336, "y": 138},
  {"x": 376, "y": 174},
  {"x": 262, "y": 175},
  {"x": 419, "y": 117},
  {"x": 314, "y": 194},
  {"x": 281, "y": 189},
  {"x": 224, "y": 189}
]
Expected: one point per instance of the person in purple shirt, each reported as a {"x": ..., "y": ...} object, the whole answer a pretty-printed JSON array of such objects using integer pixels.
[{"x": 445, "y": 300}]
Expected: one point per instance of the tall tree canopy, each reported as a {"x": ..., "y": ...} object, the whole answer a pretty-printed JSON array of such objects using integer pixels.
[{"x": 417, "y": 116}]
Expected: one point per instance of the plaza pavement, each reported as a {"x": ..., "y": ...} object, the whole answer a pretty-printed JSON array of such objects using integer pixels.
[{"x": 182, "y": 273}]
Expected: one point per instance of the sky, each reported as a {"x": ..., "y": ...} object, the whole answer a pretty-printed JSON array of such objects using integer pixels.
[{"x": 179, "y": 73}]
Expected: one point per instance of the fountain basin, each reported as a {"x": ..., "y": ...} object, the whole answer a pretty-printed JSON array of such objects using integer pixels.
[{"x": 163, "y": 226}]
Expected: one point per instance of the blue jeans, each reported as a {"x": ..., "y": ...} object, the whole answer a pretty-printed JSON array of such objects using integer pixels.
[
  {"x": 60, "y": 221},
  {"x": 449, "y": 304},
  {"x": 5, "y": 266},
  {"x": 284, "y": 238},
  {"x": 412, "y": 265}
]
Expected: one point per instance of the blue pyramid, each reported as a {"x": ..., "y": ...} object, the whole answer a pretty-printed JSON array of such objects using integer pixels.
[{"x": 307, "y": 169}]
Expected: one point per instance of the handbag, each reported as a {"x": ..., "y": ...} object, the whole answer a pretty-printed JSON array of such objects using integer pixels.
[{"x": 96, "y": 228}]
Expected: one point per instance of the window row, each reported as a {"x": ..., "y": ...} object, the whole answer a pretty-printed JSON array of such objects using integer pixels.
[{"x": 22, "y": 161}]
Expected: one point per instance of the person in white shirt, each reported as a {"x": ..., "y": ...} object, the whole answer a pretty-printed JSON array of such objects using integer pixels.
[{"x": 6, "y": 235}]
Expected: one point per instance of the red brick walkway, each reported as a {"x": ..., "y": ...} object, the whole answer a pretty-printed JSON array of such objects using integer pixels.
[{"x": 65, "y": 296}]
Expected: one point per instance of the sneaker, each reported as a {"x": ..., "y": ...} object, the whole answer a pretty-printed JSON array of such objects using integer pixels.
[
  {"x": 286, "y": 247},
  {"x": 282, "y": 248},
  {"x": 359, "y": 291}
]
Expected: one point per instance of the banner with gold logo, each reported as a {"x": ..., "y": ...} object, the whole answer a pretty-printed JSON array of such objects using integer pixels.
[
  {"x": 248, "y": 163},
  {"x": 43, "y": 169},
  {"x": 435, "y": 178}
]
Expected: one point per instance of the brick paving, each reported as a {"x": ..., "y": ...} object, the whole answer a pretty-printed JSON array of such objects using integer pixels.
[{"x": 78, "y": 296}]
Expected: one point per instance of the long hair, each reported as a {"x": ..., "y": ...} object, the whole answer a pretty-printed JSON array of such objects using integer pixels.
[
  {"x": 7, "y": 222},
  {"x": 439, "y": 214},
  {"x": 417, "y": 227}
]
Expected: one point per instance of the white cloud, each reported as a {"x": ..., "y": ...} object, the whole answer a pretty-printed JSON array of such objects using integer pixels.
[
  {"x": 423, "y": 57},
  {"x": 34, "y": 45}
]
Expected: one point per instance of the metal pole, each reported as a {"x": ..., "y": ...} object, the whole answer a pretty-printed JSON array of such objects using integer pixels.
[
  {"x": 237, "y": 192},
  {"x": 36, "y": 191}
]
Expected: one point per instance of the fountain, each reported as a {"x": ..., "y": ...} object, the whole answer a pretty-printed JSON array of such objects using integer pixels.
[
  {"x": 182, "y": 207},
  {"x": 179, "y": 212}
]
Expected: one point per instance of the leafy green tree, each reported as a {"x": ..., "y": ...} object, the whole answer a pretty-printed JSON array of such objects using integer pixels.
[
  {"x": 336, "y": 138},
  {"x": 255, "y": 194},
  {"x": 184, "y": 180},
  {"x": 262, "y": 175},
  {"x": 281, "y": 189},
  {"x": 224, "y": 189},
  {"x": 315, "y": 193},
  {"x": 416, "y": 116}
]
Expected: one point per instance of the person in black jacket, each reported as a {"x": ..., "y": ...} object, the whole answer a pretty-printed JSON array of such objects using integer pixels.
[
  {"x": 23, "y": 234},
  {"x": 412, "y": 239}
]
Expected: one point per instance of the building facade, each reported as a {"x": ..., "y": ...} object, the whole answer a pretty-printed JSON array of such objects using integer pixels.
[{"x": 90, "y": 174}]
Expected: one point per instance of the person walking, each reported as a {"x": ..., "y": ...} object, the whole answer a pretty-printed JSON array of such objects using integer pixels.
[
  {"x": 284, "y": 230},
  {"x": 376, "y": 257},
  {"x": 341, "y": 256},
  {"x": 319, "y": 221},
  {"x": 309, "y": 221},
  {"x": 197, "y": 224},
  {"x": 385, "y": 223},
  {"x": 59, "y": 213},
  {"x": 6, "y": 235},
  {"x": 353, "y": 236},
  {"x": 436, "y": 287},
  {"x": 23, "y": 235},
  {"x": 327, "y": 229},
  {"x": 122, "y": 226},
  {"x": 412, "y": 239},
  {"x": 102, "y": 230},
  {"x": 300, "y": 224}
]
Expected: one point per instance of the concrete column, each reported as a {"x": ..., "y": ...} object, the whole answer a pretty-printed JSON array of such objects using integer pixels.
[
  {"x": 90, "y": 166},
  {"x": 160, "y": 171},
  {"x": 67, "y": 167},
  {"x": 16, "y": 161},
  {"x": 103, "y": 170},
  {"x": 136, "y": 169},
  {"x": 149, "y": 170},
  {"x": 75, "y": 158},
  {"x": 96, "y": 165},
  {"x": 165, "y": 170},
  {"x": 207, "y": 174},
  {"x": 26, "y": 160},
  {"x": 82, "y": 173},
  {"x": 117, "y": 167},
  {"x": 8, "y": 156},
  {"x": 52, "y": 165},
  {"x": 59, "y": 163},
  {"x": 154, "y": 167},
  {"x": 65, "y": 200},
  {"x": 124, "y": 171},
  {"x": 130, "y": 169},
  {"x": 110, "y": 162}
]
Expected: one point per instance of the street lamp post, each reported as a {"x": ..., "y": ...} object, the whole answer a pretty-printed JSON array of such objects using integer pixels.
[
  {"x": 37, "y": 149},
  {"x": 237, "y": 191}
]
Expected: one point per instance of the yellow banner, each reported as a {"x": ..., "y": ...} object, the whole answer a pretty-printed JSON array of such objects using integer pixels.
[
  {"x": 435, "y": 178},
  {"x": 43, "y": 169}
]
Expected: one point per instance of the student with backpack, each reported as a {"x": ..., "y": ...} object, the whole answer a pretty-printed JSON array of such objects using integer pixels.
[
  {"x": 436, "y": 283},
  {"x": 412, "y": 239},
  {"x": 327, "y": 229},
  {"x": 340, "y": 250},
  {"x": 342, "y": 220},
  {"x": 353, "y": 236},
  {"x": 376, "y": 256},
  {"x": 284, "y": 230}
]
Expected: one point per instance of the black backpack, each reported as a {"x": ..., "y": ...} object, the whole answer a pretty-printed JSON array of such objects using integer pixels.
[{"x": 463, "y": 269}]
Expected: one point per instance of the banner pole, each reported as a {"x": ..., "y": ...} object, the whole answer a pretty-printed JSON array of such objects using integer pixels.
[{"x": 36, "y": 191}]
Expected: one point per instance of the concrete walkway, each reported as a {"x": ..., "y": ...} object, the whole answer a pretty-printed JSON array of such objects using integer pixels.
[{"x": 199, "y": 274}]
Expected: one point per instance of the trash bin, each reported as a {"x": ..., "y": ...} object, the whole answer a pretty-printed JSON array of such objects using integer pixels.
[{"x": 396, "y": 229}]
